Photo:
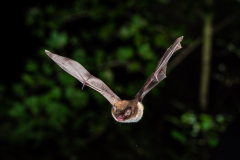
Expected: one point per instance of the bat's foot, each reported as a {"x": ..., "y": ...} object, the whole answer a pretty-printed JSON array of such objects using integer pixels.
[{"x": 155, "y": 75}]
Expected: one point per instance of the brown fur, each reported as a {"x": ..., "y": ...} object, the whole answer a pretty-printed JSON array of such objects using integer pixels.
[{"x": 122, "y": 105}]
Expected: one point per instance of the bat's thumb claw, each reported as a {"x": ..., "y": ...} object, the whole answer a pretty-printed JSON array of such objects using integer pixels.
[
  {"x": 83, "y": 86},
  {"x": 155, "y": 75}
]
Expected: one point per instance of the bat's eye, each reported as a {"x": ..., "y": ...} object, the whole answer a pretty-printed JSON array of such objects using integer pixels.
[
  {"x": 128, "y": 108},
  {"x": 127, "y": 111}
]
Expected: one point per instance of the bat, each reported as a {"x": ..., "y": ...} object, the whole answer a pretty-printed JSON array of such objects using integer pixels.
[{"x": 124, "y": 111}]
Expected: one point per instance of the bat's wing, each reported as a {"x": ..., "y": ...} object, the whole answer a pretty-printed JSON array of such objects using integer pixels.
[
  {"x": 160, "y": 72},
  {"x": 80, "y": 73}
]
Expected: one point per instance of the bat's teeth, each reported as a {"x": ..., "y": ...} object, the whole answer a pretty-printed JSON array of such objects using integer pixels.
[{"x": 120, "y": 118}]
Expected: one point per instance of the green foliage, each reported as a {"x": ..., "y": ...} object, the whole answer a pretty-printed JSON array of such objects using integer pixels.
[
  {"x": 134, "y": 66},
  {"x": 207, "y": 122},
  {"x": 145, "y": 51},
  {"x": 196, "y": 125},
  {"x": 79, "y": 55},
  {"x": 178, "y": 136},
  {"x": 124, "y": 53},
  {"x": 57, "y": 40}
]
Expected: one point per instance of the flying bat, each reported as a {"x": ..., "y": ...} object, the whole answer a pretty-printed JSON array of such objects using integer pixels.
[{"x": 124, "y": 111}]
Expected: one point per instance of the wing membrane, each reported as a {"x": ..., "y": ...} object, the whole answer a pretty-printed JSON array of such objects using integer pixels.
[
  {"x": 160, "y": 72},
  {"x": 80, "y": 73}
]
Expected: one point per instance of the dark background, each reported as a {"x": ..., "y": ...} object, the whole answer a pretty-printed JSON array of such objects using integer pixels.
[{"x": 44, "y": 114}]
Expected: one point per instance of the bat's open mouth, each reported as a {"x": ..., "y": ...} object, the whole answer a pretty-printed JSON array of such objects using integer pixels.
[
  {"x": 120, "y": 117},
  {"x": 126, "y": 113}
]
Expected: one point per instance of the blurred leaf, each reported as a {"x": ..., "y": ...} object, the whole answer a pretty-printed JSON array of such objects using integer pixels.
[
  {"x": 178, "y": 136},
  {"x": 31, "y": 15},
  {"x": 58, "y": 114},
  {"x": 196, "y": 129},
  {"x": 98, "y": 97},
  {"x": 220, "y": 118},
  {"x": 28, "y": 79},
  {"x": 124, "y": 53},
  {"x": 97, "y": 12},
  {"x": 79, "y": 55},
  {"x": 31, "y": 66},
  {"x": 231, "y": 47},
  {"x": 107, "y": 30},
  {"x": 99, "y": 55},
  {"x": 145, "y": 51},
  {"x": 19, "y": 89},
  {"x": 73, "y": 40},
  {"x": 160, "y": 40},
  {"x": 77, "y": 97},
  {"x": 23, "y": 131},
  {"x": 33, "y": 104},
  {"x": 57, "y": 40},
  {"x": 55, "y": 92},
  {"x": 136, "y": 23},
  {"x": 206, "y": 122},
  {"x": 66, "y": 79},
  {"x": 50, "y": 9},
  {"x": 150, "y": 69},
  {"x": 189, "y": 118},
  {"x": 130, "y": 90},
  {"x": 47, "y": 69},
  {"x": 17, "y": 110},
  {"x": 125, "y": 32},
  {"x": 106, "y": 76},
  {"x": 134, "y": 66},
  {"x": 213, "y": 140}
]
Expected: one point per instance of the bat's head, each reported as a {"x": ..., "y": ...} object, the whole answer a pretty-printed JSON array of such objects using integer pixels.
[{"x": 127, "y": 111}]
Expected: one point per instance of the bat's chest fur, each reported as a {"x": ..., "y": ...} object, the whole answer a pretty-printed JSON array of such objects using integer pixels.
[{"x": 138, "y": 113}]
